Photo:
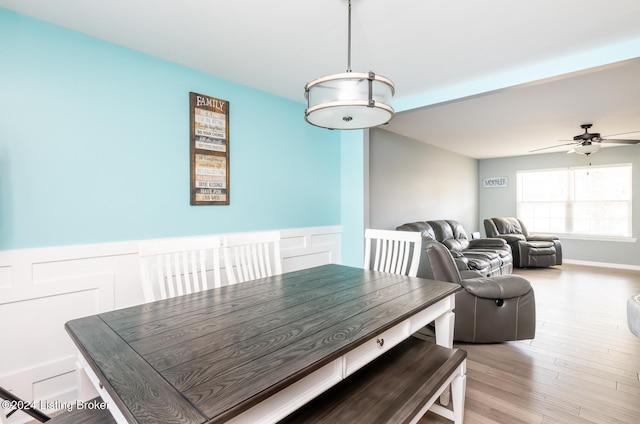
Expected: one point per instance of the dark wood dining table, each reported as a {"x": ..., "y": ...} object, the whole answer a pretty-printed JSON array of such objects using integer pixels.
[{"x": 256, "y": 351}]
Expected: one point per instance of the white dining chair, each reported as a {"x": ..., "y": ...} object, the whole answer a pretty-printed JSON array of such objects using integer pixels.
[
  {"x": 249, "y": 256},
  {"x": 171, "y": 268},
  {"x": 396, "y": 252}
]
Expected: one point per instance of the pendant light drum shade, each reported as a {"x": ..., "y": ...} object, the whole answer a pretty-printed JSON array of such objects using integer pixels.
[{"x": 349, "y": 100}]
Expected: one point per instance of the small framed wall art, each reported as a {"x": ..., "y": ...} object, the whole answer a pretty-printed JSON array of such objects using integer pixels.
[
  {"x": 209, "y": 150},
  {"x": 493, "y": 182}
]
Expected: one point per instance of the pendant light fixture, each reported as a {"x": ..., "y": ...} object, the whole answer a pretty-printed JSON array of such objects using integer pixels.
[{"x": 350, "y": 100}]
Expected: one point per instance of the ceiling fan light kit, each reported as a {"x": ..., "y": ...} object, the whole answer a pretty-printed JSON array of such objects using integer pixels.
[
  {"x": 349, "y": 100},
  {"x": 585, "y": 149}
]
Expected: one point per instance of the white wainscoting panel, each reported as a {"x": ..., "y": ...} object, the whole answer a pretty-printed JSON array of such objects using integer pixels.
[
  {"x": 302, "y": 249},
  {"x": 41, "y": 289}
]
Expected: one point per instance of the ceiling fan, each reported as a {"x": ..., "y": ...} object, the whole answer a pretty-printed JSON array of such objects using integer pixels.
[{"x": 588, "y": 143}]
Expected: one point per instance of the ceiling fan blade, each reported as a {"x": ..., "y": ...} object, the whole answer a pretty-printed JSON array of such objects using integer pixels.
[
  {"x": 619, "y": 134},
  {"x": 619, "y": 141},
  {"x": 552, "y": 147}
]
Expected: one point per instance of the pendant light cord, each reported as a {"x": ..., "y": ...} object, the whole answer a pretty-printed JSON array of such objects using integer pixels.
[{"x": 349, "y": 41}]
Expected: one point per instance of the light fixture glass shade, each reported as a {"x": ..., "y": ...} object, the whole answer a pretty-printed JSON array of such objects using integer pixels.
[
  {"x": 587, "y": 149},
  {"x": 349, "y": 101}
]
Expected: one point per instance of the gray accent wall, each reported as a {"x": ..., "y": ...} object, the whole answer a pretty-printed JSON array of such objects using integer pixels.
[
  {"x": 496, "y": 202},
  {"x": 413, "y": 181}
]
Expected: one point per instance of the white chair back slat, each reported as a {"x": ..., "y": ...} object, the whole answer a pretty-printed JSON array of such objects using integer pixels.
[
  {"x": 402, "y": 259},
  {"x": 246, "y": 263},
  {"x": 265, "y": 264},
  {"x": 253, "y": 263},
  {"x": 249, "y": 256},
  {"x": 381, "y": 249},
  {"x": 169, "y": 275},
  {"x": 398, "y": 257},
  {"x": 200, "y": 283},
  {"x": 184, "y": 280},
  {"x": 191, "y": 275},
  {"x": 171, "y": 268},
  {"x": 396, "y": 252},
  {"x": 216, "y": 269},
  {"x": 181, "y": 280},
  {"x": 385, "y": 259}
]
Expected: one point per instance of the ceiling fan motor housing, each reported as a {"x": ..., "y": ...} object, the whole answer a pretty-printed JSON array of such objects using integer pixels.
[{"x": 587, "y": 136}]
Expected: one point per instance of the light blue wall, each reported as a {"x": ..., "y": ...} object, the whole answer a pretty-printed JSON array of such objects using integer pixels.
[
  {"x": 352, "y": 191},
  {"x": 94, "y": 147}
]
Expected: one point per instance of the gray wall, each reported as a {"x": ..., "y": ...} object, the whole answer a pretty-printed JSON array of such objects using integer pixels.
[
  {"x": 412, "y": 181},
  {"x": 494, "y": 202}
]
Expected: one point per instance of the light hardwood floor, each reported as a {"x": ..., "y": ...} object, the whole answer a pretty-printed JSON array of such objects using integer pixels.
[{"x": 582, "y": 365}]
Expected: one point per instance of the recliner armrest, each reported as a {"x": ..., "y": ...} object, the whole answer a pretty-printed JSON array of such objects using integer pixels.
[
  {"x": 487, "y": 242},
  {"x": 542, "y": 237},
  {"x": 512, "y": 238},
  {"x": 471, "y": 273},
  {"x": 462, "y": 264},
  {"x": 497, "y": 287},
  {"x": 456, "y": 254}
]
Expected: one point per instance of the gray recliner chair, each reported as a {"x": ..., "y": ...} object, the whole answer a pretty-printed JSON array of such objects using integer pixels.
[
  {"x": 529, "y": 250},
  {"x": 488, "y": 309}
]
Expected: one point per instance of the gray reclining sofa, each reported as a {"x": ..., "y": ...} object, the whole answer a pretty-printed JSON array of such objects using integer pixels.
[{"x": 479, "y": 257}]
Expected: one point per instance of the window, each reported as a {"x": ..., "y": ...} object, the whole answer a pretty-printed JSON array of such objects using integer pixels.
[{"x": 590, "y": 201}]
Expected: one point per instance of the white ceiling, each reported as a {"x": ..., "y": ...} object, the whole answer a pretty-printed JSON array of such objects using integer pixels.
[
  {"x": 424, "y": 46},
  {"x": 514, "y": 121}
]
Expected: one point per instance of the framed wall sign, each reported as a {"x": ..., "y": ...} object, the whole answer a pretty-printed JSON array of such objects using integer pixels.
[
  {"x": 209, "y": 149},
  {"x": 495, "y": 182}
]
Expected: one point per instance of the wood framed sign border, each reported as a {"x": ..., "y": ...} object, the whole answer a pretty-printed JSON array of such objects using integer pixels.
[{"x": 209, "y": 150}]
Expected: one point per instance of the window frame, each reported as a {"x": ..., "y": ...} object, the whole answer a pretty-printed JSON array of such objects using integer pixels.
[{"x": 568, "y": 202}]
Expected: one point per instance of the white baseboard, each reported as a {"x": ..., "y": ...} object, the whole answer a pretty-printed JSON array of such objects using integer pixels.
[{"x": 602, "y": 264}]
